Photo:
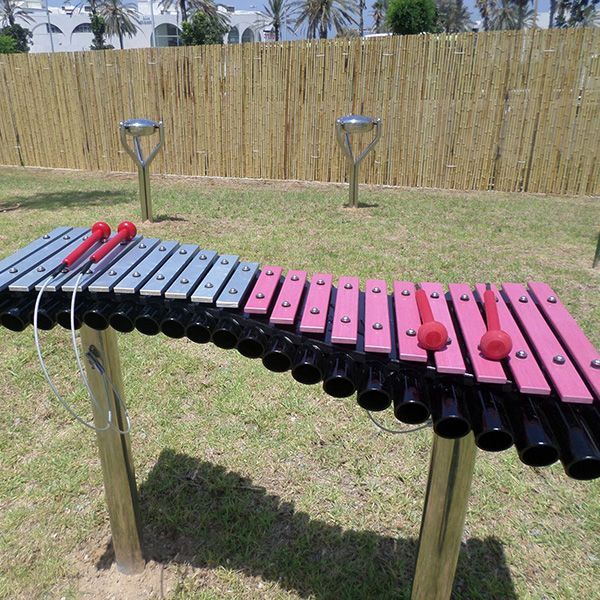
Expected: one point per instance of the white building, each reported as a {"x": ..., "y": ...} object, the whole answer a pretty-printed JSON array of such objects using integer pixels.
[{"x": 68, "y": 29}]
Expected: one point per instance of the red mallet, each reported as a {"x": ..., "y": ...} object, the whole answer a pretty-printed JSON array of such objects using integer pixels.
[
  {"x": 495, "y": 344},
  {"x": 432, "y": 335},
  {"x": 100, "y": 231},
  {"x": 125, "y": 233}
]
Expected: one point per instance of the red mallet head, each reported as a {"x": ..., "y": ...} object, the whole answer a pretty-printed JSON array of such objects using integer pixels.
[
  {"x": 101, "y": 229},
  {"x": 129, "y": 227},
  {"x": 432, "y": 335},
  {"x": 495, "y": 344}
]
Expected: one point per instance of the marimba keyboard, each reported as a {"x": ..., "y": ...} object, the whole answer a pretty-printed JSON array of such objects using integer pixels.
[{"x": 544, "y": 395}]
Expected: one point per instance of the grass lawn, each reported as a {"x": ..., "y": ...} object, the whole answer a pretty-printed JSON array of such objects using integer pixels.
[{"x": 251, "y": 485}]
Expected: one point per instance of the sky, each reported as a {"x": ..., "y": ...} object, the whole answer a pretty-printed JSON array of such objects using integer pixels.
[{"x": 543, "y": 6}]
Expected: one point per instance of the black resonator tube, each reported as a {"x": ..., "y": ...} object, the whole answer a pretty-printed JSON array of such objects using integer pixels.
[
  {"x": 533, "y": 436},
  {"x": 307, "y": 367},
  {"x": 226, "y": 333},
  {"x": 123, "y": 318},
  {"x": 578, "y": 453},
  {"x": 374, "y": 392},
  {"x": 279, "y": 354},
  {"x": 448, "y": 411},
  {"x": 200, "y": 327},
  {"x": 340, "y": 376},
  {"x": 97, "y": 316},
  {"x": 148, "y": 320},
  {"x": 410, "y": 402},
  {"x": 63, "y": 316},
  {"x": 175, "y": 322},
  {"x": 47, "y": 314},
  {"x": 18, "y": 317},
  {"x": 252, "y": 342},
  {"x": 489, "y": 422}
]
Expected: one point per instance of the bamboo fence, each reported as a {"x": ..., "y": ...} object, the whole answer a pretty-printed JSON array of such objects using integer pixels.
[{"x": 512, "y": 111}]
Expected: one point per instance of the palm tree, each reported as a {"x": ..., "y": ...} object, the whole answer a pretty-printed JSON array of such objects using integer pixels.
[
  {"x": 277, "y": 11},
  {"x": 486, "y": 8},
  {"x": 453, "y": 16},
  {"x": 321, "y": 15},
  {"x": 120, "y": 19},
  {"x": 378, "y": 14},
  {"x": 511, "y": 14},
  {"x": 188, "y": 7},
  {"x": 10, "y": 11}
]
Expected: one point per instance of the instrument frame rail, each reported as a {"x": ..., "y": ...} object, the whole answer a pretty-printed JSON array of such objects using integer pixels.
[{"x": 544, "y": 397}]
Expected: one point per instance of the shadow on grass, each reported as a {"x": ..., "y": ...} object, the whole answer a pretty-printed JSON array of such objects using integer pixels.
[
  {"x": 197, "y": 513},
  {"x": 54, "y": 200}
]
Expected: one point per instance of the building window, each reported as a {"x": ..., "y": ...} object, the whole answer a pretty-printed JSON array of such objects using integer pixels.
[
  {"x": 234, "y": 36},
  {"x": 82, "y": 28},
  {"x": 247, "y": 36},
  {"x": 165, "y": 35},
  {"x": 52, "y": 28}
]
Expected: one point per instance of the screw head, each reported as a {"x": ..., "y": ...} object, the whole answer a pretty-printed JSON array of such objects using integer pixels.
[
  {"x": 559, "y": 359},
  {"x": 285, "y": 304},
  {"x": 202, "y": 257},
  {"x": 162, "y": 248},
  {"x": 160, "y": 277},
  {"x": 136, "y": 274},
  {"x": 405, "y": 292},
  {"x": 208, "y": 285},
  {"x": 41, "y": 269},
  {"x": 523, "y": 299},
  {"x": 89, "y": 272},
  {"x": 245, "y": 268},
  {"x": 377, "y": 326},
  {"x": 521, "y": 354},
  {"x": 183, "y": 251},
  {"x": 552, "y": 299},
  {"x": 464, "y": 297},
  {"x": 314, "y": 311},
  {"x": 46, "y": 237},
  {"x": 345, "y": 319},
  {"x": 320, "y": 282},
  {"x": 112, "y": 273},
  {"x": 376, "y": 290},
  {"x": 13, "y": 270},
  {"x": 184, "y": 280},
  {"x": 233, "y": 291},
  {"x": 260, "y": 295},
  {"x": 85, "y": 237},
  {"x": 142, "y": 245},
  {"x": 269, "y": 272},
  {"x": 434, "y": 295},
  {"x": 66, "y": 237},
  {"x": 347, "y": 286},
  {"x": 224, "y": 262},
  {"x": 294, "y": 278},
  {"x": 595, "y": 363}
]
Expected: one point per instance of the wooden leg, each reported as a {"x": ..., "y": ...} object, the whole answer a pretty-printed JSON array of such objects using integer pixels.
[
  {"x": 446, "y": 499},
  {"x": 115, "y": 449}
]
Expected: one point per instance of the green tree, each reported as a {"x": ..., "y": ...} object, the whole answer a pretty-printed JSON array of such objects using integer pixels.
[
  {"x": 576, "y": 13},
  {"x": 453, "y": 16},
  {"x": 278, "y": 12},
  {"x": 120, "y": 19},
  {"x": 7, "y": 44},
  {"x": 486, "y": 8},
  {"x": 378, "y": 14},
  {"x": 319, "y": 16},
  {"x": 188, "y": 7},
  {"x": 412, "y": 16},
  {"x": 203, "y": 28},
  {"x": 511, "y": 14},
  {"x": 10, "y": 11},
  {"x": 20, "y": 35},
  {"x": 98, "y": 31}
]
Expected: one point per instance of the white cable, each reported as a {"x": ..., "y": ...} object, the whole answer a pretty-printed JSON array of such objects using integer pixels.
[
  {"x": 64, "y": 403},
  {"x": 97, "y": 365},
  {"x": 397, "y": 431}
]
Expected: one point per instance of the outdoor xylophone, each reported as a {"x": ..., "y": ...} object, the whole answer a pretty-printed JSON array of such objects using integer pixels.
[{"x": 513, "y": 367}]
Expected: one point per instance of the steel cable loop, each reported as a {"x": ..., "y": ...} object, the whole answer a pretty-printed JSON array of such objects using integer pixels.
[
  {"x": 96, "y": 363},
  {"x": 397, "y": 431},
  {"x": 63, "y": 402}
]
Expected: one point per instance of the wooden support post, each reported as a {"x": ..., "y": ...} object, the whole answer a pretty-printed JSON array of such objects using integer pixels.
[{"x": 114, "y": 448}]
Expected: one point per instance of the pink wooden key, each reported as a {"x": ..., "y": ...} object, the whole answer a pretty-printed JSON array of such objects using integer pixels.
[
  {"x": 522, "y": 363},
  {"x": 407, "y": 322},
  {"x": 557, "y": 364},
  {"x": 378, "y": 336},
  {"x": 288, "y": 301},
  {"x": 473, "y": 327},
  {"x": 345, "y": 316},
  {"x": 264, "y": 289},
  {"x": 314, "y": 318},
  {"x": 449, "y": 359},
  {"x": 581, "y": 349}
]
